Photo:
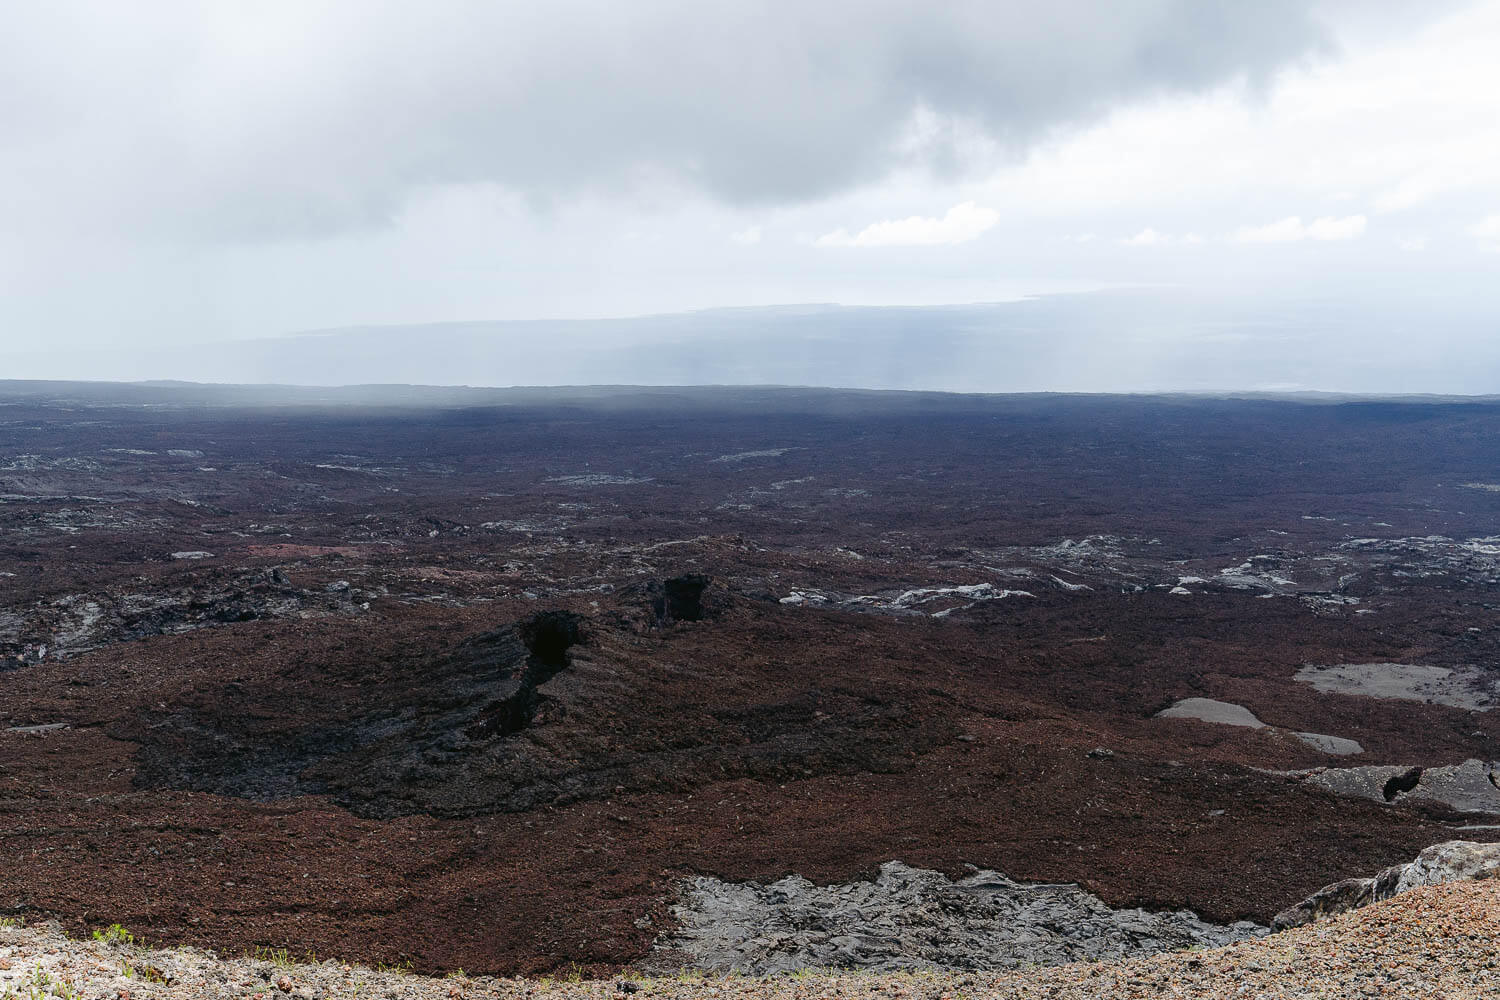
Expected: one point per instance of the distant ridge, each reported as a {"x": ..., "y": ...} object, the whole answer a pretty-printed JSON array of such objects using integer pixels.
[{"x": 1132, "y": 341}]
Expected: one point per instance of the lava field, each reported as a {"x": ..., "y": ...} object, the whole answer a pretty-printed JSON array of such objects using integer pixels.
[{"x": 481, "y": 678}]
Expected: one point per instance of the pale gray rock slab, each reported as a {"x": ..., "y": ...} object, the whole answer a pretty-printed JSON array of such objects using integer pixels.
[
  {"x": 1358, "y": 782},
  {"x": 1468, "y": 787},
  {"x": 1209, "y": 710},
  {"x": 1459, "y": 687},
  {"x": 1336, "y": 745},
  {"x": 1451, "y": 861},
  {"x": 910, "y": 918}
]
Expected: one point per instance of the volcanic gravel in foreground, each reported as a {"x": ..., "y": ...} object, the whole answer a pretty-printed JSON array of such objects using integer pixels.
[{"x": 1442, "y": 941}]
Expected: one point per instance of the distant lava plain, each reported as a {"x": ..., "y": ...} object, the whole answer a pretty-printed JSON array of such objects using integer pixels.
[{"x": 478, "y": 678}]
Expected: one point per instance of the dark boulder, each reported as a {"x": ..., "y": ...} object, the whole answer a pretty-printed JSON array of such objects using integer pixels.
[{"x": 680, "y": 599}]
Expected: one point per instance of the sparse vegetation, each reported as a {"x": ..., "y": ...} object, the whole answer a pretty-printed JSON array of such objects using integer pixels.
[
  {"x": 114, "y": 934},
  {"x": 279, "y": 957},
  {"x": 144, "y": 972}
]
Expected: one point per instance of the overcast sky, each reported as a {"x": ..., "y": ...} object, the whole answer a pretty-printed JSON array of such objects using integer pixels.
[{"x": 192, "y": 172}]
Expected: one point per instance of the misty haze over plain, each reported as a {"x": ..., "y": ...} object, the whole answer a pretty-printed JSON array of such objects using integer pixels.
[{"x": 1139, "y": 196}]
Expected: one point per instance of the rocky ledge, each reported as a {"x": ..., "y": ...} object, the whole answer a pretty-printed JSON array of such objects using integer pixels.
[
  {"x": 1453, "y": 861},
  {"x": 910, "y": 918}
]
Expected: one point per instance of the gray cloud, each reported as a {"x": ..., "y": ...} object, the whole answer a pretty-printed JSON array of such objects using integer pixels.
[{"x": 304, "y": 119}]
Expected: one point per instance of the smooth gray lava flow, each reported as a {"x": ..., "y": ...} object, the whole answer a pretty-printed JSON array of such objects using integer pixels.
[
  {"x": 1460, "y": 687},
  {"x": 1208, "y": 710}
]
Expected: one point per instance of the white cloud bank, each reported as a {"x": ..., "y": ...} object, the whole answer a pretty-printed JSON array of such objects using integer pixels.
[
  {"x": 1292, "y": 230},
  {"x": 963, "y": 223},
  {"x": 1149, "y": 237},
  {"x": 1487, "y": 232}
]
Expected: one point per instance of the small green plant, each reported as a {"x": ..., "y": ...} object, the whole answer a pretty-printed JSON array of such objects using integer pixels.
[
  {"x": 114, "y": 934},
  {"x": 279, "y": 957},
  {"x": 7, "y": 923},
  {"x": 144, "y": 972},
  {"x": 400, "y": 968}
]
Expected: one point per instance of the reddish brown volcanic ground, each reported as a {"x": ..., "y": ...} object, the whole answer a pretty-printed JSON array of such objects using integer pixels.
[{"x": 326, "y": 733}]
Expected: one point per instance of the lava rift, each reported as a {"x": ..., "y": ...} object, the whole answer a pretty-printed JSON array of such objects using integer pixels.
[{"x": 424, "y": 730}]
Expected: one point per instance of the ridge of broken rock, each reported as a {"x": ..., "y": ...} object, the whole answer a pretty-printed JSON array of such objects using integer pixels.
[
  {"x": 911, "y": 918},
  {"x": 1450, "y": 861}
]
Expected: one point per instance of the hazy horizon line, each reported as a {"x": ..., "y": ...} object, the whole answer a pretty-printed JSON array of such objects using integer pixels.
[{"x": 1288, "y": 395}]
